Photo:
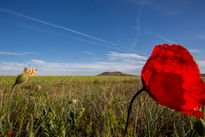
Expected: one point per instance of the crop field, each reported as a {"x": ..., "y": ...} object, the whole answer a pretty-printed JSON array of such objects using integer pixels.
[{"x": 86, "y": 106}]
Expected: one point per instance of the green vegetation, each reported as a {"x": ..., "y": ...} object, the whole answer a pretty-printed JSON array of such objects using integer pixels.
[{"x": 87, "y": 106}]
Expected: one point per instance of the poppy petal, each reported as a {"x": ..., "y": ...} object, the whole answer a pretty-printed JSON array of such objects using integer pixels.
[{"x": 172, "y": 78}]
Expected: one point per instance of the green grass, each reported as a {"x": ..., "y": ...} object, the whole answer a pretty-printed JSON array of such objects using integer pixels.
[{"x": 100, "y": 109}]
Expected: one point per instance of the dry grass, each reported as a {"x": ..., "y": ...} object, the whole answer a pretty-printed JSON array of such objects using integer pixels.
[{"x": 100, "y": 109}]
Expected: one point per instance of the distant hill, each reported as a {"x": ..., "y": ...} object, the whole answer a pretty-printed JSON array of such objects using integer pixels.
[
  {"x": 115, "y": 73},
  {"x": 202, "y": 75},
  {"x": 118, "y": 73}
]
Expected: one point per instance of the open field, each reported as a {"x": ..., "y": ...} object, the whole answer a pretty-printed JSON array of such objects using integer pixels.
[{"x": 83, "y": 106}]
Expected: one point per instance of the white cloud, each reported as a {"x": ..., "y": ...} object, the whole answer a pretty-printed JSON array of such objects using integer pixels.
[
  {"x": 88, "y": 53},
  {"x": 124, "y": 56},
  {"x": 55, "y": 68},
  {"x": 194, "y": 50},
  {"x": 11, "y": 68},
  {"x": 201, "y": 64},
  {"x": 11, "y": 53},
  {"x": 131, "y": 66},
  {"x": 130, "y": 63},
  {"x": 35, "y": 61},
  {"x": 15, "y": 54}
]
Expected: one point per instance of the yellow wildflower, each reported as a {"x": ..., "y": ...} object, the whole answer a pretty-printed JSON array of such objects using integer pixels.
[{"x": 30, "y": 71}]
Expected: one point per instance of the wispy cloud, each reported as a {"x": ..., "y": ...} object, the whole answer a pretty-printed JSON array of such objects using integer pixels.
[
  {"x": 55, "y": 68},
  {"x": 36, "y": 61},
  {"x": 200, "y": 37},
  {"x": 138, "y": 2},
  {"x": 141, "y": 4},
  {"x": 138, "y": 26},
  {"x": 15, "y": 54},
  {"x": 89, "y": 53},
  {"x": 124, "y": 62},
  {"x": 162, "y": 37},
  {"x": 194, "y": 50},
  {"x": 124, "y": 56}
]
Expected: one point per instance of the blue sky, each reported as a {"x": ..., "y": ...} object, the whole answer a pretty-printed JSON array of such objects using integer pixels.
[{"x": 88, "y": 37}]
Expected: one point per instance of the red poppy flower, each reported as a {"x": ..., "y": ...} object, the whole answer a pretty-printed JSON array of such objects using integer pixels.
[{"x": 172, "y": 78}]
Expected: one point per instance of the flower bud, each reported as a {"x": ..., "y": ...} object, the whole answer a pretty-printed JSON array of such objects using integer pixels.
[
  {"x": 38, "y": 88},
  {"x": 46, "y": 93},
  {"x": 82, "y": 110},
  {"x": 73, "y": 101},
  {"x": 21, "y": 78}
]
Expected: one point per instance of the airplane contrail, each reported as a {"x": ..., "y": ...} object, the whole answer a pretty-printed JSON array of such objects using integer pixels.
[
  {"x": 138, "y": 21},
  {"x": 65, "y": 28},
  {"x": 162, "y": 38},
  {"x": 56, "y": 26}
]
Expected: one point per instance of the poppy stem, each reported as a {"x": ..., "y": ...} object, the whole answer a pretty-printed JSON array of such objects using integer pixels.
[{"x": 130, "y": 107}]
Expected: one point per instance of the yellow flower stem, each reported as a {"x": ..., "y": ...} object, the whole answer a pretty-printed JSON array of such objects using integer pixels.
[
  {"x": 10, "y": 94},
  {"x": 9, "y": 101}
]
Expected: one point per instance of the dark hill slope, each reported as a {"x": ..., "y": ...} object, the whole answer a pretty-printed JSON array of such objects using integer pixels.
[{"x": 115, "y": 73}]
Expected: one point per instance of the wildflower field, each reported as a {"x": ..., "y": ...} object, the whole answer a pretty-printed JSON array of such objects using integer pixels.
[{"x": 87, "y": 106}]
